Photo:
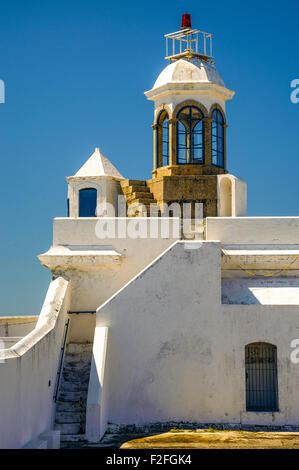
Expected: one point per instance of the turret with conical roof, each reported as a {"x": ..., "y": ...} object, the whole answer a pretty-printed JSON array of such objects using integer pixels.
[{"x": 95, "y": 186}]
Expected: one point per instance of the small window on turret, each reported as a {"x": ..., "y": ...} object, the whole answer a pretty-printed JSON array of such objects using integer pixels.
[{"x": 87, "y": 202}]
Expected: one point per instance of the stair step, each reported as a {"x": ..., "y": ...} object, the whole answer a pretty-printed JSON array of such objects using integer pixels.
[
  {"x": 144, "y": 201},
  {"x": 143, "y": 210},
  {"x": 69, "y": 407},
  {"x": 68, "y": 428},
  {"x": 74, "y": 387},
  {"x": 80, "y": 381},
  {"x": 127, "y": 190},
  {"x": 139, "y": 196},
  {"x": 75, "y": 358},
  {"x": 75, "y": 366},
  {"x": 63, "y": 417},
  {"x": 126, "y": 183},
  {"x": 72, "y": 437},
  {"x": 76, "y": 369},
  {"x": 72, "y": 396},
  {"x": 78, "y": 348}
]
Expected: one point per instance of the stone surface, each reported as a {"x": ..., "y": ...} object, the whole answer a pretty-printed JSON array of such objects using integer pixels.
[
  {"x": 69, "y": 417},
  {"x": 36, "y": 444},
  {"x": 52, "y": 437}
]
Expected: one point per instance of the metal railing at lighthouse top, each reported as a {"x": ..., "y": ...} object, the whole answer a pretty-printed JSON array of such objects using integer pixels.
[{"x": 189, "y": 41}]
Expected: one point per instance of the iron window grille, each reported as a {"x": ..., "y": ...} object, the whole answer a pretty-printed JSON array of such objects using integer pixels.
[{"x": 261, "y": 377}]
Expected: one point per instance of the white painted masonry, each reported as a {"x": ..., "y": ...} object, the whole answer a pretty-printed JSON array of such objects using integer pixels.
[
  {"x": 232, "y": 196},
  {"x": 189, "y": 79},
  {"x": 96, "y": 419},
  {"x": 254, "y": 230},
  {"x": 99, "y": 267},
  {"x": 29, "y": 372},
  {"x": 167, "y": 319},
  {"x": 169, "y": 362}
]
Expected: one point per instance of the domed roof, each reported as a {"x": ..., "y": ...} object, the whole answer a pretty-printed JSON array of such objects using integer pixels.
[{"x": 192, "y": 70}]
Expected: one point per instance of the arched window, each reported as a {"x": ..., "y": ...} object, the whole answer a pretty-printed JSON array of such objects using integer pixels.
[
  {"x": 162, "y": 139},
  {"x": 87, "y": 202},
  {"x": 261, "y": 377},
  {"x": 190, "y": 148},
  {"x": 217, "y": 138}
]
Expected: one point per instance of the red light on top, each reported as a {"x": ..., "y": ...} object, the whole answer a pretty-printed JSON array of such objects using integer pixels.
[{"x": 186, "y": 20}]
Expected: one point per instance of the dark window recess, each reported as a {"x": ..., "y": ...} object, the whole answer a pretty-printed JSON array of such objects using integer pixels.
[
  {"x": 87, "y": 202},
  {"x": 261, "y": 377}
]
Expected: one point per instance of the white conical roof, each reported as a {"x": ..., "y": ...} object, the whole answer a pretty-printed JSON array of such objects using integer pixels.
[
  {"x": 98, "y": 165},
  {"x": 192, "y": 70}
]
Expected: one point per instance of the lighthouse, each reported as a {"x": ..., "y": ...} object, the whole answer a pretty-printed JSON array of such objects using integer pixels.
[{"x": 190, "y": 128}]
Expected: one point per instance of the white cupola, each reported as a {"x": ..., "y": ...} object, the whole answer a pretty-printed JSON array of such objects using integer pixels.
[{"x": 191, "y": 73}]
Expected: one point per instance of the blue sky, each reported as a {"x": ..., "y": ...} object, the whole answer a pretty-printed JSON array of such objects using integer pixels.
[{"x": 75, "y": 73}]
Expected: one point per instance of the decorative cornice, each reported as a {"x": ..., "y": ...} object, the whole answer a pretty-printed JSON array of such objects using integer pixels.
[{"x": 169, "y": 88}]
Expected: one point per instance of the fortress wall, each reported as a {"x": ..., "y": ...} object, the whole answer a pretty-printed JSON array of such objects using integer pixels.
[
  {"x": 174, "y": 358},
  {"x": 28, "y": 374}
]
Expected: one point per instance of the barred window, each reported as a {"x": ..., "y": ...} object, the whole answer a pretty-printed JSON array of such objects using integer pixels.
[
  {"x": 217, "y": 138},
  {"x": 87, "y": 202},
  {"x": 261, "y": 377}
]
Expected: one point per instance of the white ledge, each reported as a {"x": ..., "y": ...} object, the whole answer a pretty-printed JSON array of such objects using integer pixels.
[
  {"x": 80, "y": 255},
  {"x": 46, "y": 321}
]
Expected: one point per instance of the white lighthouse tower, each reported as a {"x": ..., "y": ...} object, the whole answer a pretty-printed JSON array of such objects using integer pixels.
[{"x": 190, "y": 127}]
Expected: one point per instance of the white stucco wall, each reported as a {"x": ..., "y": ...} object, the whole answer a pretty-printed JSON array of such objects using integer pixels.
[
  {"x": 265, "y": 291},
  {"x": 17, "y": 326},
  {"x": 253, "y": 230},
  {"x": 107, "y": 188},
  {"x": 240, "y": 203},
  {"x": 157, "y": 356},
  {"x": 26, "y": 395},
  {"x": 232, "y": 196},
  {"x": 96, "y": 411},
  {"x": 95, "y": 282},
  {"x": 81, "y": 328},
  {"x": 175, "y": 353}
]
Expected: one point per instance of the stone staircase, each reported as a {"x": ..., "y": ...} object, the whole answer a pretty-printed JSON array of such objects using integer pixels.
[
  {"x": 140, "y": 200},
  {"x": 70, "y": 414}
]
